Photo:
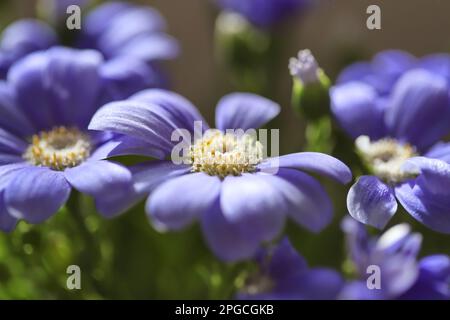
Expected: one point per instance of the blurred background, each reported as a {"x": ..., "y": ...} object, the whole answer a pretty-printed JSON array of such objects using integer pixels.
[{"x": 125, "y": 257}]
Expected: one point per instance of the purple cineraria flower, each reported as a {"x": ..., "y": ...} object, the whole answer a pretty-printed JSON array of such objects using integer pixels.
[
  {"x": 123, "y": 29},
  {"x": 45, "y": 147},
  {"x": 284, "y": 275},
  {"x": 131, "y": 38},
  {"x": 21, "y": 38},
  {"x": 264, "y": 13},
  {"x": 225, "y": 182},
  {"x": 397, "y": 108},
  {"x": 394, "y": 254}
]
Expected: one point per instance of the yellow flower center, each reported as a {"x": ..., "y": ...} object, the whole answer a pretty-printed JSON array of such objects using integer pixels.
[
  {"x": 219, "y": 154},
  {"x": 386, "y": 157},
  {"x": 59, "y": 148}
]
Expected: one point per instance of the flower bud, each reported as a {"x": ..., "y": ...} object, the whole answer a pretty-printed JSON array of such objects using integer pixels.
[{"x": 310, "y": 88}]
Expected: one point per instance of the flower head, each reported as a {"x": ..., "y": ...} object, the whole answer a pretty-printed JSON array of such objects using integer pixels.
[
  {"x": 224, "y": 181},
  {"x": 45, "y": 147},
  {"x": 131, "y": 38},
  {"x": 395, "y": 254},
  {"x": 284, "y": 274},
  {"x": 397, "y": 108}
]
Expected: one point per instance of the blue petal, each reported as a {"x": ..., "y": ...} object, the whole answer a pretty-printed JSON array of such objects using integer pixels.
[
  {"x": 99, "y": 19},
  {"x": 309, "y": 204},
  {"x": 108, "y": 183},
  {"x": 48, "y": 86},
  {"x": 285, "y": 261},
  {"x": 147, "y": 176},
  {"x": 425, "y": 208},
  {"x": 315, "y": 162},
  {"x": 36, "y": 193},
  {"x": 181, "y": 111},
  {"x": 125, "y": 76},
  {"x": 8, "y": 171},
  {"x": 11, "y": 117},
  {"x": 156, "y": 46},
  {"x": 356, "y": 107},
  {"x": 358, "y": 71},
  {"x": 434, "y": 177},
  {"x": 255, "y": 203},
  {"x": 23, "y": 37},
  {"x": 371, "y": 202},
  {"x": 434, "y": 280},
  {"x": 227, "y": 240},
  {"x": 11, "y": 144},
  {"x": 139, "y": 120},
  {"x": 177, "y": 202},
  {"x": 315, "y": 284},
  {"x": 244, "y": 111},
  {"x": 419, "y": 109},
  {"x": 127, "y": 25}
]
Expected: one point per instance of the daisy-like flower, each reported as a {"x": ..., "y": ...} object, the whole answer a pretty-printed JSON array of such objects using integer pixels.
[
  {"x": 45, "y": 147},
  {"x": 226, "y": 184},
  {"x": 397, "y": 108},
  {"x": 283, "y": 274},
  {"x": 264, "y": 13},
  {"x": 131, "y": 38},
  {"x": 394, "y": 254}
]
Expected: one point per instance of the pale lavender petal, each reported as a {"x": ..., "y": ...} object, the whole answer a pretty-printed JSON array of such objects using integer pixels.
[
  {"x": 254, "y": 203},
  {"x": 7, "y": 222},
  {"x": 244, "y": 111},
  {"x": 434, "y": 177},
  {"x": 48, "y": 85},
  {"x": 440, "y": 151},
  {"x": 8, "y": 171},
  {"x": 177, "y": 202},
  {"x": 11, "y": 117},
  {"x": 180, "y": 110},
  {"x": 9, "y": 143},
  {"x": 356, "y": 108},
  {"x": 156, "y": 46},
  {"x": 36, "y": 193},
  {"x": 371, "y": 202},
  {"x": 107, "y": 182},
  {"x": 227, "y": 240},
  {"x": 315, "y": 162},
  {"x": 418, "y": 94},
  {"x": 308, "y": 202}
]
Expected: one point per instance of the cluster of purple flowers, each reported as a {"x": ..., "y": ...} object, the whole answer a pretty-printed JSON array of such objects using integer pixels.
[{"x": 64, "y": 112}]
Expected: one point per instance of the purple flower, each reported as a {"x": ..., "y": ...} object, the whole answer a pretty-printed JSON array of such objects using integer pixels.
[
  {"x": 131, "y": 38},
  {"x": 45, "y": 147},
  {"x": 397, "y": 108},
  {"x": 21, "y": 38},
  {"x": 284, "y": 275},
  {"x": 395, "y": 254},
  {"x": 264, "y": 13},
  {"x": 229, "y": 190},
  {"x": 123, "y": 29}
]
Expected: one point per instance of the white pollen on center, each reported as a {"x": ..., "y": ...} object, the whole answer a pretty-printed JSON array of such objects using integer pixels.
[
  {"x": 220, "y": 154},
  {"x": 386, "y": 157}
]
